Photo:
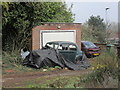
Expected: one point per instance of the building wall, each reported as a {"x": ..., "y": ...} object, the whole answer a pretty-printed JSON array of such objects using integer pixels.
[{"x": 55, "y": 26}]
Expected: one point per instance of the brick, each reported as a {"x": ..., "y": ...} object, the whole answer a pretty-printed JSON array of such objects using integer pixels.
[{"x": 54, "y": 26}]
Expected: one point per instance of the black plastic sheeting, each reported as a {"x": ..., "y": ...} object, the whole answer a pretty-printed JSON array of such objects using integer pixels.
[{"x": 52, "y": 58}]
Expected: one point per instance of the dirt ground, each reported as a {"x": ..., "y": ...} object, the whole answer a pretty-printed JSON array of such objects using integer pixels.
[
  {"x": 17, "y": 80},
  {"x": 13, "y": 80}
]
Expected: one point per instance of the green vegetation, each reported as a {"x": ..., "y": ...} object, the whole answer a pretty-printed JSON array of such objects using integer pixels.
[
  {"x": 95, "y": 28},
  {"x": 20, "y": 17},
  {"x": 18, "y": 20},
  {"x": 53, "y": 82},
  {"x": 13, "y": 63},
  {"x": 105, "y": 67},
  {"x": 104, "y": 75},
  {"x": 105, "y": 72}
]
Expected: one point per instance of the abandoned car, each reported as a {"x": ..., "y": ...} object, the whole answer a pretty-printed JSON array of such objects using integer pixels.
[
  {"x": 59, "y": 53},
  {"x": 90, "y": 49},
  {"x": 69, "y": 50}
]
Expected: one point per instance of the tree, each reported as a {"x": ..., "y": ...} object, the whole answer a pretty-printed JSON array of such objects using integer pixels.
[
  {"x": 87, "y": 33},
  {"x": 20, "y": 17},
  {"x": 113, "y": 30},
  {"x": 98, "y": 28}
]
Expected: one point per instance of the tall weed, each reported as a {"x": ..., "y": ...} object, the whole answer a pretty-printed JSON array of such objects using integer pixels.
[
  {"x": 11, "y": 59},
  {"x": 104, "y": 72}
]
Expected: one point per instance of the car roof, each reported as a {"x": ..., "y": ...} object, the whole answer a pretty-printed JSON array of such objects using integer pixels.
[
  {"x": 85, "y": 41},
  {"x": 60, "y": 42}
]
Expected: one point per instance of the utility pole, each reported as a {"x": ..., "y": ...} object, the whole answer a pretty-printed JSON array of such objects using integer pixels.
[
  {"x": 106, "y": 9},
  {"x": 106, "y": 19}
]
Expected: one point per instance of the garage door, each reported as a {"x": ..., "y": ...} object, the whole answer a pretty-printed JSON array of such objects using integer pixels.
[{"x": 55, "y": 35}]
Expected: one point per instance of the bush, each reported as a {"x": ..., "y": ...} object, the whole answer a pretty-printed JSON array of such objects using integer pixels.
[
  {"x": 11, "y": 59},
  {"x": 104, "y": 71}
]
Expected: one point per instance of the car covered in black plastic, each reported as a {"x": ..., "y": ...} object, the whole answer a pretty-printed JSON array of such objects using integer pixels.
[
  {"x": 59, "y": 53},
  {"x": 69, "y": 50}
]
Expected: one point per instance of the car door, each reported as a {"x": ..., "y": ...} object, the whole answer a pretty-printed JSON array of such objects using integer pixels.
[{"x": 68, "y": 51}]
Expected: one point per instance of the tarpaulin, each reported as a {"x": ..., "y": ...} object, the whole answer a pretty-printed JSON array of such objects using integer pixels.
[{"x": 52, "y": 58}]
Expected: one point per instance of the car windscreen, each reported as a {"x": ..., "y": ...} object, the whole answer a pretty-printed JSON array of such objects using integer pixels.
[{"x": 89, "y": 44}]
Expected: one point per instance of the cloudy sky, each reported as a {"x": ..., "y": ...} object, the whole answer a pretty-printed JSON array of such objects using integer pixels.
[{"x": 83, "y": 10}]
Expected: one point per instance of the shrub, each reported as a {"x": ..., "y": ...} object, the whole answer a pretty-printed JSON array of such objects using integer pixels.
[
  {"x": 106, "y": 70},
  {"x": 11, "y": 59}
]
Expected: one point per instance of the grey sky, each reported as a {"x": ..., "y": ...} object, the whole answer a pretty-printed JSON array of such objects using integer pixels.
[{"x": 83, "y": 10}]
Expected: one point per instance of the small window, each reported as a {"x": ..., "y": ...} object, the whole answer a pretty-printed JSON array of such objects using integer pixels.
[
  {"x": 72, "y": 47},
  {"x": 55, "y": 46},
  {"x": 49, "y": 45},
  {"x": 63, "y": 47},
  {"x": 60, "y": 47}
]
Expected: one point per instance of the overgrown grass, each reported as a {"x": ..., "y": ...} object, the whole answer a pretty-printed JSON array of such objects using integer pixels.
[
  {"x": 53, "y": 82},
  {"x": 12, "y": 63},
  {"x": 105, "y": 72}
]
